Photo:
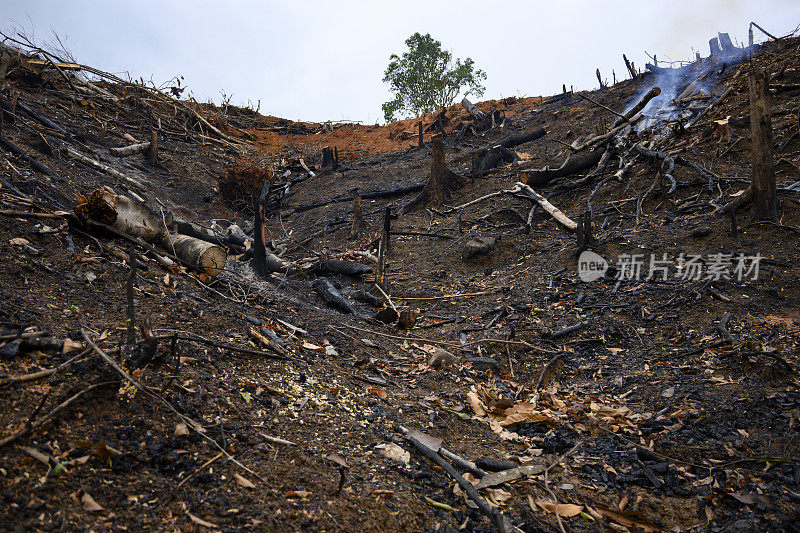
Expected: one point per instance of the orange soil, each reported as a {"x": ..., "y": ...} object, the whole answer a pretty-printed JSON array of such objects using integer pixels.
[{"x": 356, "y": 141}]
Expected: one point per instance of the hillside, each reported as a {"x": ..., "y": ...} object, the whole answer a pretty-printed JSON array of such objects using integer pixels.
[{"x": 247, "y": 402}]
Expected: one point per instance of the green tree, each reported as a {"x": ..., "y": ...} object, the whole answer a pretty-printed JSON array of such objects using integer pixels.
[{"x": 426, "y": 78}]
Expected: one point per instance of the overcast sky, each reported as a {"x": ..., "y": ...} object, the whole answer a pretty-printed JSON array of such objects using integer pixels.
[{"x": 315, "y": 60}]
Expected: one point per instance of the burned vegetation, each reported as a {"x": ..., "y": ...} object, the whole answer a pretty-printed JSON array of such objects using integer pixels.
[{"x": 569, "y": 313}]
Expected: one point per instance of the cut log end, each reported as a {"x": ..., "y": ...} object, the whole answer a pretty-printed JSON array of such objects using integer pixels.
[{"x": 208, "y": 257}]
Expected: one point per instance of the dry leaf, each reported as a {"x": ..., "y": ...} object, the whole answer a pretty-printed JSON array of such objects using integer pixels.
[
  {"x": 243, "y": 481},
  {"x": 524, "y": 412},
  {"x": 338, "y": 459},
  {"x": 565, "y": 510},
  {"x": 71, "y": 346},
  {"x": 181, "y": 430},
  {"x": 475, "y": 402},
  {"x": 380, "y": 393},
  {"x": 89, "y": 504},
  {"x": 502, "y": 433},
  {"x": 298, "y": 494},
  {"x": 426, "y": 440},
  {"x": 396, "y": 453},
  {"x": 200, "y": 521},
  {"x": 629, "y": 519}
]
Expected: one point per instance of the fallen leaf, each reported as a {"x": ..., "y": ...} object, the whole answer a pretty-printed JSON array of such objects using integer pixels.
[
  {"x": 426, "y": 440},
  {"x": 181, "y": 430},
  {"x": 629, "y": 519},
  {"x": 396, "y": 453},
  {"x": 380, "y": 393},
  {"x": 565, "y": 510},
  {"x": 298, "y": 494},
  {"x": 476, "y": 404},
  {"x": 89, "y": 504},
  {"x": 524, "y": 412},
  {"x": 18, "y": 241},
  {"x": 243, "y": 481},
  {"x": 668, "y": 393},
  {"x": 200, "y": 521},
  {"x": 338, "y": 459}
]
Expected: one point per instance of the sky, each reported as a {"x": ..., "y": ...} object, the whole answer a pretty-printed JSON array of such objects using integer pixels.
[{"x": 315, "y": 60}]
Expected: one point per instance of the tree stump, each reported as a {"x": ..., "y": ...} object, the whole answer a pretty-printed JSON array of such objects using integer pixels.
[
  {"x": 441, "y": 182},
  {"x": 329, "y": 161},
  {"x": 765, "y": 202},
  {"x": 359, "y": 226}
]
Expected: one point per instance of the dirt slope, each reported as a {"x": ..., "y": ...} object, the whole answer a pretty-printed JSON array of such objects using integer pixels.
[{"x": 651, "y": 418}]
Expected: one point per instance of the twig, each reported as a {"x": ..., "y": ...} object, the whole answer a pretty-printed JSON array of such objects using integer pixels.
[
  {"x": 500, "y": 521},
  {"x": 222, "y": 345},
  {"x": 276, "y": 440},
  {"x": 188, "y": 421},
  {"x": 598, "y": 104},
  {"x": 202, "y": 467},
  {"x": 388, "y": 298},
  {"x": 552, "y": 494},
  {"x": 444, "y": 297},
  {"x": 60, "y": 407},
  {"x": 44, "y": 373},
  {"x": 549, "y": 364}
]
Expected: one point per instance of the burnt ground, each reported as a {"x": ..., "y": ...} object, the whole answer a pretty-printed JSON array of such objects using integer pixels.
[{"x": 649, "y": 416}]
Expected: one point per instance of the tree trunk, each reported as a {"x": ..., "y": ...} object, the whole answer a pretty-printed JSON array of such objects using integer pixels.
[
  {"x": 152, "y": 153},
  {"x": 725, "y": 42},
  {"x": 132, "y": 149},
  {"x": 264, "y": 262},
  {"x": 358, "y": 225},
  {"x": 629, "y": 66},
  {"x": 441, "y": 181},
  {"x": 713, "y": 45},
  {"x": 208, "y": 257},
  {"x": 328, "y": 159},
  {"x": 763, "y": 179}
]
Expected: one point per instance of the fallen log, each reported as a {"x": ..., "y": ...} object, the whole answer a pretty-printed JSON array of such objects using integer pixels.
[
  {"x": 347, "y": 268},
  {"x": 489, "y": 157},
  {"x": 36, "y": 165},
  {"x": 652, "y": 93},
  {"x": 140, "y": 225},
  {"x": 204, "y": 255},
  {"x": 555, "y": 212},
  {"x": 41, "y": 119},
  {"x": 121, "y": 213},
  {"x": 198, "y": 232},
  {"x": 102, "y": 167},
  {"x": 572, "y": 165},
  {"x": 477, "y": 115},
  {"x": 331, "y": 295},
  {"x": 132, "y": 149}
]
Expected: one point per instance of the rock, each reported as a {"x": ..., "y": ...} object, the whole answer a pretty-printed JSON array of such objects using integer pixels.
[
  {"x": 702, "y": 231},
  {"x": 479, "y": 246},
  {"x": 441, "y": 358}
]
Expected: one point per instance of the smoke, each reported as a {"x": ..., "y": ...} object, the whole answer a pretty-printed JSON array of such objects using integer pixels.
[{"x": 685, "y": 92}]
